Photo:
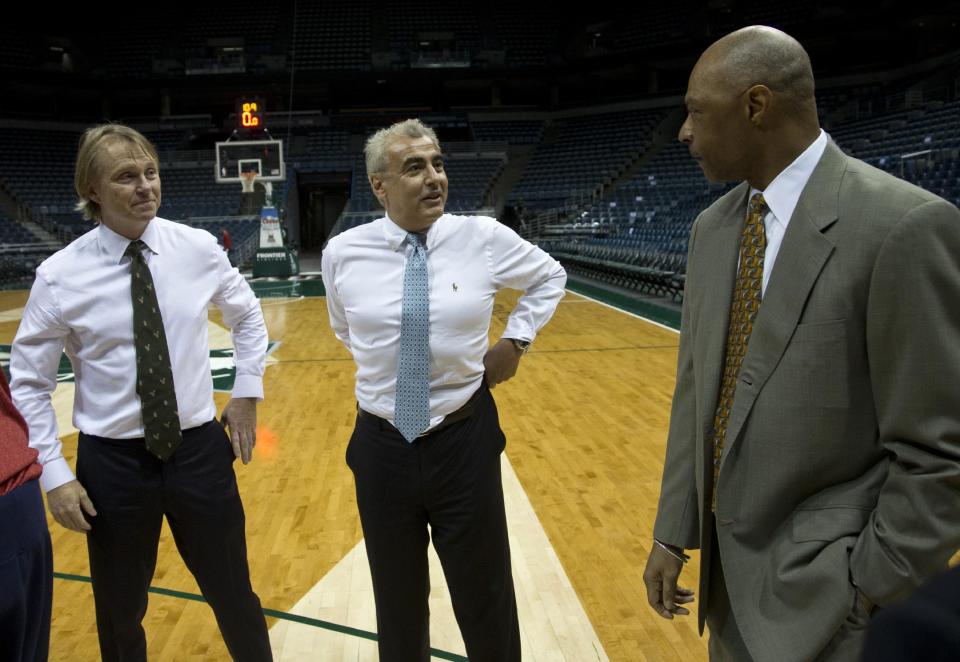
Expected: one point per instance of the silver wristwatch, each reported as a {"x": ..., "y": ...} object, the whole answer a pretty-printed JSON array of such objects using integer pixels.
[{"x": 522, "y": 345}]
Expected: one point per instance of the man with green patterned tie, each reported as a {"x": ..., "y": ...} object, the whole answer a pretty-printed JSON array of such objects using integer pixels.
[{"x": 128, "y": 303}]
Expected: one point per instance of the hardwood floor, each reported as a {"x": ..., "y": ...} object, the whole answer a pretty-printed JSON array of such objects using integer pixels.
[{"x": 585, "y": 420}]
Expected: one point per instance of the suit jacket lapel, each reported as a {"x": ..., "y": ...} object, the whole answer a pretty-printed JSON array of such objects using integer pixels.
[{"x": 801, "y": 258}]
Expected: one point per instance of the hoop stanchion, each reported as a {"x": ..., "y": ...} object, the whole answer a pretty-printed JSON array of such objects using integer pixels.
[{"x": 247, "y": 181}]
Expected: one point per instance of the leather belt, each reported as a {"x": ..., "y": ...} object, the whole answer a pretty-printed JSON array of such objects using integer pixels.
[{"x": 462, "y": 414}]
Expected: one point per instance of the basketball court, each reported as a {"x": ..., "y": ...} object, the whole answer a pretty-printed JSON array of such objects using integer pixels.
[{"x": 585, "y": 419}]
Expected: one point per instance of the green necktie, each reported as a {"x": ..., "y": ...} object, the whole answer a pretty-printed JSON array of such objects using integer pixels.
[{"x": 158, "y": 400}]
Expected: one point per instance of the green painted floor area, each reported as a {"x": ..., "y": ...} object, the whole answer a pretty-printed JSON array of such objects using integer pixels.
[
  {"x": 649, "y": 310},
  {"x": 287, "y": 288}
]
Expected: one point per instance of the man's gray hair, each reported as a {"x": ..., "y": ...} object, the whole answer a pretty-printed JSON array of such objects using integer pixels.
[{"x": 376, "y": 147}]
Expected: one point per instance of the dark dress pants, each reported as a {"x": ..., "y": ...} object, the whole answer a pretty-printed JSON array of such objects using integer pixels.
[
  {"x": 26, "y": 576},
  {"x": 196, "y": 490},
  {"x": 449, "y": 480},
  {"x": 726, "y": 643}
]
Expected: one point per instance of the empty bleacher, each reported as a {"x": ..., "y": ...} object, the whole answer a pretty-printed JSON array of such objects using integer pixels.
[
  {"x": 513, "y": 132},
  {"x": 469, "y": 177},
  {"x": 635, "y": 237},
  {"x": 585, "y": 153},
  {"x": 921, "y": 145},
  {"x": 36, "y": 172},
  {"x": 333, "y": 35},
  {"x": 627, "y": 232},
  {"x": 21, "y": 250}
]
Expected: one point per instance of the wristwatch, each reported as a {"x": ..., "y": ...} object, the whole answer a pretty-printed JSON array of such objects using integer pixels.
[{"x": 522, "y": 345}]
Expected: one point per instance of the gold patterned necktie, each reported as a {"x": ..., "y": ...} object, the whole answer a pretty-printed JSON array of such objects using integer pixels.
[
  {"x": 743, "y": 311},
  {"x": 158, "y": 399}
]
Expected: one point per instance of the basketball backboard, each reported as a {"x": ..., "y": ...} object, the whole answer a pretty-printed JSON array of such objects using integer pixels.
[{"x": 265, "y": 157}]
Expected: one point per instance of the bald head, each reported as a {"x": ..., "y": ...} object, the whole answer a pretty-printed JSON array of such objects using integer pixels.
[
  {"x": 760, "y": 55},
  {"x": 750, "y": 106}
]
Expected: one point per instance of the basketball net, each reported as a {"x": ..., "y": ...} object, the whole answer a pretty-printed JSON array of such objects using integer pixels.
[{"x": 247, "y": 180}]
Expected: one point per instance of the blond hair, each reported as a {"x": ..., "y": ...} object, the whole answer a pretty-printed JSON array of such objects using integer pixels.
[{"x": 92, "y": 142}]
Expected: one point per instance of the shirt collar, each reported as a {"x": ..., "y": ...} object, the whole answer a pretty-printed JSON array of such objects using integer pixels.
[
  {"x": 396, "y": 236},
  {"x": 783, "y": 193},
  {"x": 115, "y": 245}
]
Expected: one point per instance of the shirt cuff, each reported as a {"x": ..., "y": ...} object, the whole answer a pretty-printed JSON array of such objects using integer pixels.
[
  {"x": 56, "y": 473},
  {"x": 519, "y": 331},
  {"x": 248, "y": 386}
]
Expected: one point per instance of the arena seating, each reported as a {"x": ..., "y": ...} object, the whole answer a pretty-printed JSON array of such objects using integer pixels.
[
  {"x": 469, "y": 177},
  {"x": 513, "y": 132},
  {"x": 333, "y": 35},
  {"x": 36, "y": 170},
  {"x": 630, "y": 233},
  {"x": 920, "y": 145},
  {"x": 20, "y": 253},
  {"x": 636, "y": 236},
  {"x": 582, "y": 154}
]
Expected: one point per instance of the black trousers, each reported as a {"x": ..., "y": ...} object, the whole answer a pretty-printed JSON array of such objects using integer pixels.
[
  {"x": 449, "y": 480},
  {"x": 26, "y": 576},
  {"x": 196, "y": 489}
]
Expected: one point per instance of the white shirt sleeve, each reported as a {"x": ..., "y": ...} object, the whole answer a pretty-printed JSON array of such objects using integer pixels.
[
  {"x": 34, "y": 359},
  {"x": 338, "y": 317},
  {"x": 517, "y": 264},
  {"x": 242, "y": 314}
]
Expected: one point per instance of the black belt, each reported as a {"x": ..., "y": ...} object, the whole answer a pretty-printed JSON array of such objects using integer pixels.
[
  {"x": 127, "y": 440},
  {"x": 465, "y": 412}
]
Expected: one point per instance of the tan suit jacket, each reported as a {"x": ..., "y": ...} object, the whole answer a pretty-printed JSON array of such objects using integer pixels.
[{"x": 842, "y": 459}]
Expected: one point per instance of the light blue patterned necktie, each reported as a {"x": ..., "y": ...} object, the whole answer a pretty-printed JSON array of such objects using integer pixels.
[{"x": 412, "y": 413}]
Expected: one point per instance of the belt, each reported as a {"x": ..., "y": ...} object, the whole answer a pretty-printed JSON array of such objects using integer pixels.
[
  {"x": 127, "y": 440},
  {"x": 462, "y": 414}
]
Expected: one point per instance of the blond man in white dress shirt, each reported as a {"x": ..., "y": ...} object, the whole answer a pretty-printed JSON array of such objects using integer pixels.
[{"x": 81, "y": 302}]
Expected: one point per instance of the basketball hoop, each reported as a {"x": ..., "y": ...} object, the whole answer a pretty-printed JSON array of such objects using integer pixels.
[{"x": 247, "y": 180}]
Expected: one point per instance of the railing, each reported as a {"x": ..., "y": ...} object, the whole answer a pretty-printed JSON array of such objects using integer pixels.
[
  {"x": 221, "y": 219},
  {"x": 246, "y": 250},
  {"x": 32, "y": 247}
]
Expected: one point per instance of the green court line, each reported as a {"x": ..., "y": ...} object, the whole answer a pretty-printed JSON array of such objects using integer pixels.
[
  {"x": 304, "y": 620},
  {"x": 662, "y": 314}
]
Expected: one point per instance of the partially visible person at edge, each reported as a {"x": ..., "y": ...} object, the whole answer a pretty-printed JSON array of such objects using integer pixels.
[{"x": 26, "y": 559}]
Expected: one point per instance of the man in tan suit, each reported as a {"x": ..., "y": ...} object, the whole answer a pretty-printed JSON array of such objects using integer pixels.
[{"x": 814, "y": 446}]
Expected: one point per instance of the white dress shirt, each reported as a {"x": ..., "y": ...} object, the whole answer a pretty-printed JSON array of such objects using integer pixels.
[
  {"x": 782, "y": 195},
  {"x": 80, "y": 302},
  {"x": 469, "y": 258}
]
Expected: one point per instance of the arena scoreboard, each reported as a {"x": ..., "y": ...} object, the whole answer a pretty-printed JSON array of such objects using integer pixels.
[{"x": 250, "y": 115}]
